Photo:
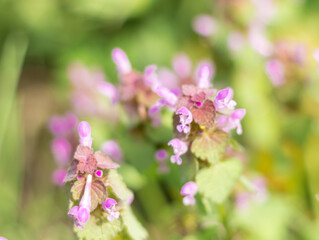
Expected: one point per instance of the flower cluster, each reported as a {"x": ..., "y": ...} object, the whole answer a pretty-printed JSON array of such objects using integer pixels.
[
  {"x": 62, "y": 128},
  {"x": 88, "y": 172}
]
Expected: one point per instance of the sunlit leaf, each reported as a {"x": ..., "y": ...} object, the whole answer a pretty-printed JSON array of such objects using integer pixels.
[
  {"x": 134, "y": 228},
  {"x": 216, "y": 183},
  {"x": 77, "y": 188},
  {"x": 115, "y": 181}
]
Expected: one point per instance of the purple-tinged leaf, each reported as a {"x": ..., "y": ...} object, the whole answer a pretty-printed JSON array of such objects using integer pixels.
[
  {"x": 205, "y": 115},
  {"x": 104, "y": 162}
]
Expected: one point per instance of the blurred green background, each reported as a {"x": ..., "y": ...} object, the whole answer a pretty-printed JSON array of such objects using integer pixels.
[{"x": 38, "y": 41}]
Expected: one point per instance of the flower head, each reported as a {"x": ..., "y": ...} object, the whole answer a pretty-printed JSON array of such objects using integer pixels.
[
  {"x": 204, "y": 25},
  {"x": 109, "y": 206},
  {"x": 204, "y": 75},
  {"x": 112, "y": 149},
  {"x": 224, "y": 100},
  {"x": 182, "y": 65},
  {"x": 85, "y": 134},
  {"x": 108, "y": 90},
  {"x": 189, "y": 190},
  {"x": 58, "y": 177},
  {"x": 161, "y": 156},
  {"x": 185, "y": 118},
  {"x": 276, "y": 72},
  {"x": 63, "y": 125},
  {"x": 227, "y": 123},
  {"x": 121, "y": 60},
  {"x": 179, "y": 148},
  {"x": 61, "y": 149}
]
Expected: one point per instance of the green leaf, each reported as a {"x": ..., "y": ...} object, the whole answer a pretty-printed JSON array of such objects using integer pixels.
[
  {"x": 134, "y": 228},
  {"x": 216, "y": 183},
  {"x": 115, "y": 181},
  {"x": 99, "y": 228},
  {"x": 210, "y": 145}
]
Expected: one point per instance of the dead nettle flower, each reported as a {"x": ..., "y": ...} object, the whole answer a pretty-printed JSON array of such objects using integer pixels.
[
  {"x": 81, "y": 213},
  {"x": 205, "y": 25},
  {"x": 109, "y": 205},
  {"x": 112, "y": 149},
  {"x": 179, "y": 148},
  {"x": 186, "y": 118},
  {"x": 189, "y": 190},
  {"x": 87, "y": 169},
  {"x": 2, "y": 238},
  {"x": 224, "y": 100},
  {"x": 62, "y": 127},
  {"x": 228, "y": 123},
  {"x": 161, "y": 156},
  {"x": 276, "y": 72}
]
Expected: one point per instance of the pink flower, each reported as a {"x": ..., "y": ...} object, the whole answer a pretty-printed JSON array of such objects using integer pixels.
[
  {"x": 179, "y": 148},
  {"x": 109, "y": 206},
  {"x": 122, "y": 62},
  {"x": 224, "y": 100},
  {"x": 2, "y": 238},
  {"x": 242, "y": 200},
  {"x": 161, "y": 155},
  {"x": 276, "y": 72},
  {"x": 182, "y": 65},
  {"x": 227, "y": 123},
  {"x": 204, "y": 75},
  {"x": 169, "y": 98},
  {"x": 189, "y": 190},
  {"x": 150, "y": 77},
  {"x": 109, "y": 90},
  {"x": 204, "y": 25},
  {"x": 81, "y": 214},
  {"x": 258, "y": 40},
  {"x": 185, "y": 118},
  {"x": 112, "y": 149},
  {"x": 98, "y": 173},
  {"x": 63, "y": 125},
  {"x": 61, "y": 149},
  {"x": 84, "y": 129},
  {"x": 58, "y": 177}
]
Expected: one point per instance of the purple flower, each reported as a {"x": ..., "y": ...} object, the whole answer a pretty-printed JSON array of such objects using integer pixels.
[
  {"x": 185, "y": 118},
  {"x": 84, "y": 129},
  {"x": 276, "y": 72},
  {"x": 2, "y": 238},
  {"x": 161, "y": 155},
  {"x": 109, "y": 206},
  {"x": 150, "y": 77},
  {"x": 224, "y": 100},
  {"x": 258, "y": 41},
  {"x": 81, "y": 214},
  {"x": 168, "y": 97},
  {"x": 112, "y": 149},
  {"x": 204, "y": 75},
  {"x": 227, "y": 123},
  {"x": 179, "y": 148},
  {"x": 58, "y": 177},
  {"x": 204, "y": 25},
  {"x": 61, "y": 149},
  {"x": 108, "y": 90},
  {"x": 63, "y": 125},
  {"x": 242, "y": 200},
  {"x": 122, "y": 62},
  {"x": 182, "y": 65},
  {"x": 189, "y": 190}
]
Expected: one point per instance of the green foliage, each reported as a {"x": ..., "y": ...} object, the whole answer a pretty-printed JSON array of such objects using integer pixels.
[
  {"x": 115, "y": 181},
  {"x": 216, "y": 182},
  {"x": 133, "y": 226},
  {"x": 210, "y": 145}
]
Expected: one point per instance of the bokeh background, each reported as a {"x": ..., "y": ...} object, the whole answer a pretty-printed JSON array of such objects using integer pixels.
[{"x": 40, "y": 39}]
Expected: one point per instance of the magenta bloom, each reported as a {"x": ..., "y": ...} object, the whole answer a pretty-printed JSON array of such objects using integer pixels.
[
  {"x": 112, "y": 149},
  {"x": 108, "y": 90},
  {"x": 204, "y": 25},
  {"x": 84, "y": 129},
  {"x": 224, "y": 99},
  {"x": 168, "y": 97},
  {"x": 58, "y": 177},
  {"x": 121, "y": 60},
  {"x": 150, "y": 77},
  {"x": 81, "y": 214},
  {"x": 189, "y": 190},
  {"x": 179, "y": 148},
  {"x": 182, "y": 65},
  {"x": 63, "y": 125},
  {"x": 185, "y": 118},
  {"x": 2, "y": 238},
  {"x": 204, "y": 75},
  {"x": 61, "y": 149},
  {"x": 161, "y": 155},
  {"x": 109, "y": 206},
  {"x": 98, "y": 173},
  {"x": 227, "y": 123},
  {"x": 276, "y": 72}
]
